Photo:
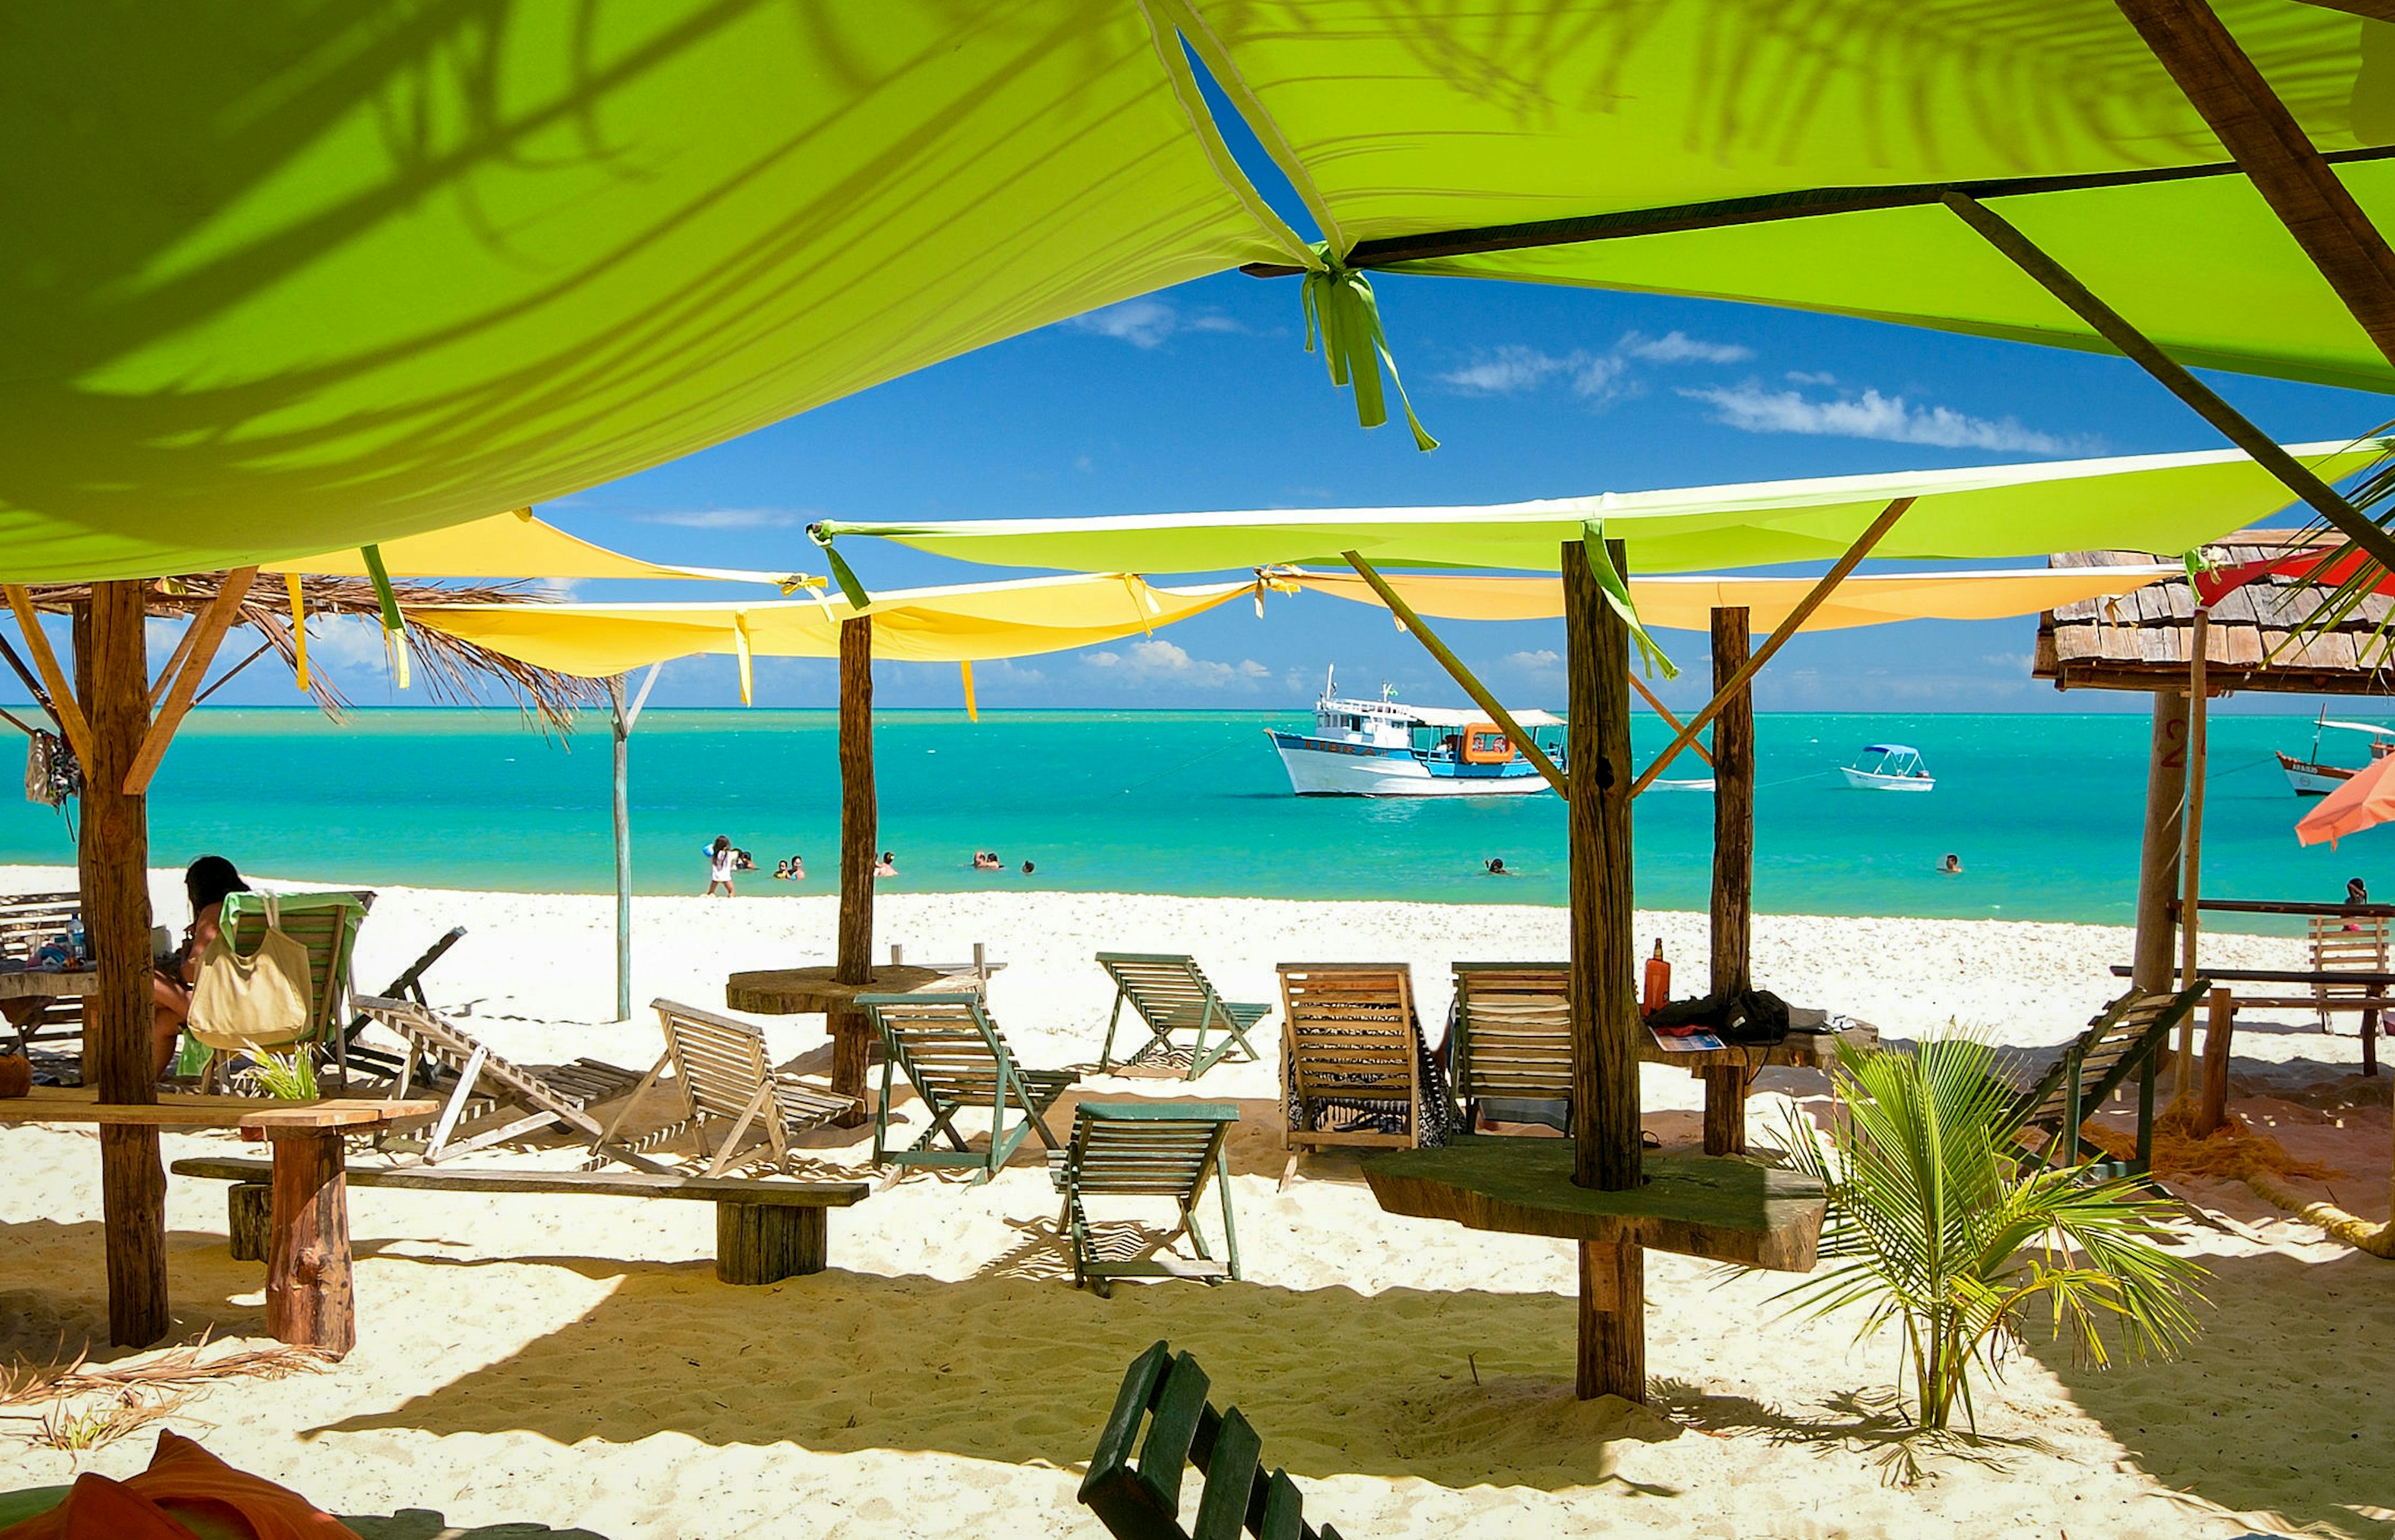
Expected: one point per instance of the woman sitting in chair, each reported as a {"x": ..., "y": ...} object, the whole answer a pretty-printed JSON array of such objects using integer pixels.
[{"x": 206, "y": 882}]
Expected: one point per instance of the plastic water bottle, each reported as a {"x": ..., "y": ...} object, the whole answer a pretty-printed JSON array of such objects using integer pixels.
[{"x": 76, "y": 939}]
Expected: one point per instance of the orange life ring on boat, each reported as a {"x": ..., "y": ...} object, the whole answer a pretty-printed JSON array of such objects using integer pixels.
[{"x": 1486, "y": 743}]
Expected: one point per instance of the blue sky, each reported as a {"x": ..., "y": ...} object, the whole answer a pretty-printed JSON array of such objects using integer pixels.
[{"x": 1202, "y": 397}]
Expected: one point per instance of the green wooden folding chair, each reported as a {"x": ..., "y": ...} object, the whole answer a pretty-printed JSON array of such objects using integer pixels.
[
  {"x": 2125, "y": 1038},
  {"x": 1167, "y": 1396},
  {"x": 955, "y": 1057},
  {"x": 1164, "y": 1149},
  {"x": 326, "y": 923},
  {"x": 1171, "y": 995}
]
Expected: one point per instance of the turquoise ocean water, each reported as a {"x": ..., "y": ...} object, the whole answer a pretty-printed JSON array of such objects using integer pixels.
[{"x": 2044, "y": 811}]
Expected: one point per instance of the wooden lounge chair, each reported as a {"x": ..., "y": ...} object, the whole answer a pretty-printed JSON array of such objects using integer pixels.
[
  {"x": 482, "y": 1087},
  {"x": 1357, "y": 1072},
  {"x": 1163, "y": 1416},
  {"x": 1509, "y": 1043},
  {"x": 2125, "y": 1036},
  {"x": 1167, "y": 1150},
  {"x": 326, "y": 923},
  {"x": 955, "y": 1057},
  {"x": 1171, "y": 995},
  {"x": 720, "y": 1068},
  {"x": 409, "y": 985}
]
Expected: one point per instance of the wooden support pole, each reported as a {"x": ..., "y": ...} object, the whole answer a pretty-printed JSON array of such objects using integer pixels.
[
  {"x": 1733, "y": 893},
  {"x": 308, "y": 1298},
  {"x": 1480, "y": 694},
  {"x": 2212, "y": 1107},
  {"x": 2150, "y": 965},
  {"x": 617, "y": 711},
  {"x": 860, "y": 833},
  {"x": 1612, "y": 1321},
  {"x": 1671, "y": 718},
  {"x": 766, "y": 1243},
  {"x": 1604, "y": 1060},
  {"x": 1813, "y": 599},
  {"x": 2190, "y": 921},
  {"x": 114, "y": 878},
  {"x": 2275, "y": 154},
  {"x": 2107, "y": 323},
  {"x": 72, "y": 725},
  {"x": 207, "y": 634},
  {"x": 249, "y": 1219}
]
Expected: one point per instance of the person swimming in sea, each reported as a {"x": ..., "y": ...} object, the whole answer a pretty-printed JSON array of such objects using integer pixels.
[
  {"x": 1027, "y": 868},
  {"x": 1496, "y": 867},
  {"x": 986, "y": 860},
  {"x": 1952, "y": 866},
  {"x": 887, "y": 866}
]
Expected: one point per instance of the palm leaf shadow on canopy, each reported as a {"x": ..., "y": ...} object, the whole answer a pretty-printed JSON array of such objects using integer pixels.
[{"x": 448, "y": 668}]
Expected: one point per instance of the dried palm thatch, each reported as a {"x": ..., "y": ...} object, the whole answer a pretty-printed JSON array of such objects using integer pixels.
[{"x": 448, "y": 668}]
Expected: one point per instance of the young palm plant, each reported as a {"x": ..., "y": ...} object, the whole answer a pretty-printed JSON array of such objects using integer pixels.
[{"x": 1936, "y": 1223}]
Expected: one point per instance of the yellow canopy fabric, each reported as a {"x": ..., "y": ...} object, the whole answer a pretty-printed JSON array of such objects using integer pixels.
[
  {"x": 511, "y": 545},
  {"x": 1687, "y": 603},
  {"x": 964, "y": 624}
]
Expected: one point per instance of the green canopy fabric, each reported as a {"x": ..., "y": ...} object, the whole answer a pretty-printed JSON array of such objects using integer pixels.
[
  {"x": 282, "y": 277},
  {"x": 2166, "y": 503},
  {"x": 1400, "y": 120}
]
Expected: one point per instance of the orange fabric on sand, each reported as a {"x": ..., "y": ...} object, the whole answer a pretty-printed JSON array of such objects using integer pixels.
[
  {"x": 2365, "y": 801},
  {"x": 187, "y": 1494}
]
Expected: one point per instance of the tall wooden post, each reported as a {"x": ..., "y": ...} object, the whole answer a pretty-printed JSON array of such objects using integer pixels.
[
  {"x": 860, "y": 834},
  {"x": 112, "y": 677},
  {"x": 2150, "y": 965},
  {"x": 1733, "y": 902},
  {"x": 623, "y": 809},
  {"x": 2190, "y": 919},
  {"x": 1605, "y": 1155}
]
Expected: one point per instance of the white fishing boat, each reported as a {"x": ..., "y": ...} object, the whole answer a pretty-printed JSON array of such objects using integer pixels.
[
  {"x": 2312, "y": 778},
  {"x": 1386, "y": 749},
  {"x": 1889, "y": 767}
]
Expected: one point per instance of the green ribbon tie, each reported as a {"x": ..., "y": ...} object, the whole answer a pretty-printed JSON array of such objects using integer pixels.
[
  {"x": 394, "y": 625},
  {"x": 1617, "y": 593},
  {"x": 1340, "y": 310},
  {"x": 850, "y": 590}
]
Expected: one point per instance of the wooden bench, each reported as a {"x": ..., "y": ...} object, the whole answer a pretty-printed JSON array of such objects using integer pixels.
[{"x": 764, "y": 1230}]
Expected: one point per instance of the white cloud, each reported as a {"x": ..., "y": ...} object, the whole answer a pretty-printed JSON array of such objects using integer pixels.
[
  {"x": 1142, "y": 323},
  {"x": 1213, "y": 324},
  {"x": 345, "y": 641},
  {"x": 723, "y": 518},
  {"x": 1678, "y": 347},
  {"x": 1151, "y": 661},
  {"x": 1514, "y": 369},
  {"x": 1755, "y": 409},
  {"x": 1544, "y": 661},
  {"x": 1811, "y": 377}
]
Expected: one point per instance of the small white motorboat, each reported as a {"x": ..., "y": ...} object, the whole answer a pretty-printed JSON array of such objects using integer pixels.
[
  {"x": 1889, "y": 767},
  {"x": 2313, "y": 779}
]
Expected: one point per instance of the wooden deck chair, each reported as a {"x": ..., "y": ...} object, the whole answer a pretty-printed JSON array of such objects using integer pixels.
[
  {"x": 722, "y": 1071},
  {"x": 954, "y": 1056},
  {"x": 2346, "y": 945},
  {"x": 27, "y": 922},
  {"x": 1354, "y": 1052},
  {"x": 1509, "y": 1043},
  {"x": 409, "y": 985},
  {"x": 483, "y": 1089},
  {"x": 2125, "y": 1036},
  {"x": 326, "y": 923},
  {"x": 1166, "y": 1149},
  {"x": 1162, "y": 1416},
  {"x": 1171, "y": 995}
]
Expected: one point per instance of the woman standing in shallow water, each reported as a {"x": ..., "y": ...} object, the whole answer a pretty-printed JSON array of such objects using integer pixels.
[{"x": 722, "y": 861}]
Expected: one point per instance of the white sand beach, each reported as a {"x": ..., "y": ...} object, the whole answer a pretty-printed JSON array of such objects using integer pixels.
[{"x": 574, "y": 1361}]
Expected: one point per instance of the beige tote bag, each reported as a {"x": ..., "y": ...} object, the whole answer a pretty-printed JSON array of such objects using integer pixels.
[{"x": 261, "y": 1001}]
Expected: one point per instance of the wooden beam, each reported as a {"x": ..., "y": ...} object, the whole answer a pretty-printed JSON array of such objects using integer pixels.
[
  {"x": 620, "y": 815},
  {"x": 1813, "y": 599},
  {"x": 2369, "y": 10},
  {"x": 2212, "y": 1102},
  {"x": 63, "y": 704},
  {"x": 1666, "y": 712},
  {"x": 114, "y": 858},
  {"x": 173, "y": 662},
  {"x": 2133, "y": 344},
  {"x": 1605, "y": 1013},
  {"x": 860, "y": 833},
  {"x": 1480, "y": 694},
  {"x": 2190, "y": 925},
  {"x": 1770, "y": 207},
  {"x": 2271, "y": 148},
  {"x": 207, "y": 634}
]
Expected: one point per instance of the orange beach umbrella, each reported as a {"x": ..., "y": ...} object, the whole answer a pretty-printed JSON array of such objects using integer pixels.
[{"x": 2366, "y": 800}]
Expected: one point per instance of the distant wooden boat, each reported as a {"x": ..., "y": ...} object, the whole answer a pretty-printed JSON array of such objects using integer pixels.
[
  {"x": 1889, "y": 767},
  {"x": 2313, "y": 779}
]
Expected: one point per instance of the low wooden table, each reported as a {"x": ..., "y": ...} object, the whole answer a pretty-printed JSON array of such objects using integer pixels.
[
  {"x": 813, "y": 991},
  {"x": 42, "y": 984},
  {"x": 1724, "y": 1073},
  {"x": 308, "y": 1299}
]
